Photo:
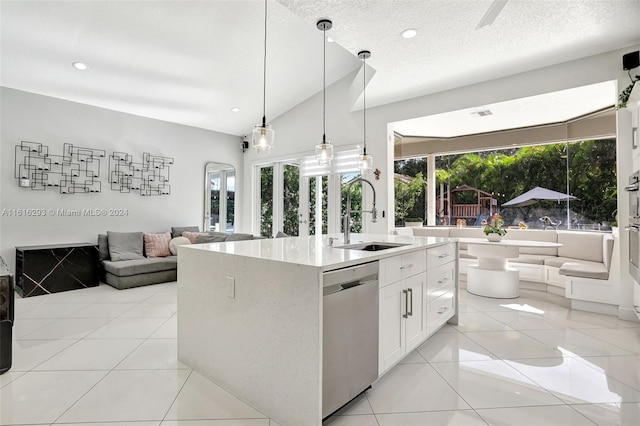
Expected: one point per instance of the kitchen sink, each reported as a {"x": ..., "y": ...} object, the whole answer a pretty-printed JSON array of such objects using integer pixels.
[{"x": 372, "y": 246}]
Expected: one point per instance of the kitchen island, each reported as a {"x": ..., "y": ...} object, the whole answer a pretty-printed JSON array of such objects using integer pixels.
[{"x": 250, "y": 313}]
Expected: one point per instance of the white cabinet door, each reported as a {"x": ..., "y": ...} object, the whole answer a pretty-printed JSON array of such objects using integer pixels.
[
  {"x": 392, "y": 325},
  {"x": 415, "y": 312}
]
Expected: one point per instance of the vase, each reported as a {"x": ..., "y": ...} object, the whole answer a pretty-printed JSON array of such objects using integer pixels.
[{"x": 494, "y": 237}]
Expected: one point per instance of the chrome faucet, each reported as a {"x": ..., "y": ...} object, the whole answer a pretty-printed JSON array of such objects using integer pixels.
[{"x": 346, "y": 220}]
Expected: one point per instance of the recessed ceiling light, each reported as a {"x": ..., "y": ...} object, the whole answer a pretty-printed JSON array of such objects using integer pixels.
[
  {"x": 235, "y": 109},
  {"x": 409, "y": 33},
  {"x": 79, "y": 66},
  {"x": 329, "y": 39}
]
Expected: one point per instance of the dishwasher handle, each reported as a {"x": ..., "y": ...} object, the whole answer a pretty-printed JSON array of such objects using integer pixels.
[{"x": 336, "y": 288}]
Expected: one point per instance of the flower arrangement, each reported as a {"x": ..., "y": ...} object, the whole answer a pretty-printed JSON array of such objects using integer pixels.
[{"x": 495, "y": 227}]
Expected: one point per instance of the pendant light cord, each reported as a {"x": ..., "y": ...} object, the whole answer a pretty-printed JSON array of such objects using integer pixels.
[
  {"x": 264, "y": 71},
  {"x": 324, "y": 85},
  {"x": 364, "y": 102}
]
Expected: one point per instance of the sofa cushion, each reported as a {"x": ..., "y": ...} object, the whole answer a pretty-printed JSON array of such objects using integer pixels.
[
  {"x": 403, "y": 231},
  {"x": 175, "y": 242},
  {"x": 157, "y": 245},
  {"x": 125, "y": 245},
  {"x": 607, "y": 253},
  {"x": 581, "y": 245},
  {"x": 126, "y": 268},
  {"x": 595, "y": 270},
  {"x": 103, "y": 247},
  {"x": 176, "y": 231},
  {"x": 465, "y": 255},
  {"x": 215, "y": 237},
  {"x": 239, "y": 237},
  {"x": 532, "y": 259}
]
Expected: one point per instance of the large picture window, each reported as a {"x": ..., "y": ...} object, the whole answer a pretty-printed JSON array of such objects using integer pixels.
[{"x": 471, "y": 186}]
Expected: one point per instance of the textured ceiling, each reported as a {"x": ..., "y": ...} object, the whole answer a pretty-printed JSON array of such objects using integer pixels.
[{"x": 190, "y": 62}]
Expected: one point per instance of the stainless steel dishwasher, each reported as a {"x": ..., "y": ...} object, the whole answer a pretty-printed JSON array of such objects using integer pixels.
[{"x": 350, "y": 334}]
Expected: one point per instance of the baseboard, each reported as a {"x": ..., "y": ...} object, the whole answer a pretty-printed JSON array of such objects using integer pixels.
[
  {"x": 530, "y": 285},
  {"x": 598, "y": 308},
  {"x": 628, "y": 314},
  {"x": 558, "y": 291}
]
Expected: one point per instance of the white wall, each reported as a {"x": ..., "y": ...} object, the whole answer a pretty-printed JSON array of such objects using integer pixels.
[
  {"x": 53, "y": 122},
  {"x": 300, "y": 129}
]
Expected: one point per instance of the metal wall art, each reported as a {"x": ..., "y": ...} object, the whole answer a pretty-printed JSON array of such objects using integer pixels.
[
  {"x": 75, "y": 171},
  {"x": 149, "y": 177}
]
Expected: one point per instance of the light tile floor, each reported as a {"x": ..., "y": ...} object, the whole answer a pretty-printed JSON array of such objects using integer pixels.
[{"x": 101, "y": 356}]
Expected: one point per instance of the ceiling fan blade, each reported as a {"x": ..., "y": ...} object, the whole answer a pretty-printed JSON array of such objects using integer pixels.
[{"x": 492, "y": 13}]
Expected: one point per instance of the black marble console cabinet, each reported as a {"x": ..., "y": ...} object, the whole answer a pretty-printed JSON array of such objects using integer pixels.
[{"x": 54, "y": 268}]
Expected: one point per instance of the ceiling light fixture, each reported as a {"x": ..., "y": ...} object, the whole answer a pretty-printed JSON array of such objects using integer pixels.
[
  {"x": 235, "y": 109},
  {"x": 409, "y": 33},
  {"x": 324, "y": 150},
  {"x": 262, "y": 135},
  {"x": 79, "y": 66},
  {"x": 365, "y": 161}
]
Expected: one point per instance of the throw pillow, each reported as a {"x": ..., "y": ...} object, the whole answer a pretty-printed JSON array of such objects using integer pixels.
[
  {"x": 157, "y": 245},
  {"x": 177, "y": 241},
  {"x": 125, "y": 245},
  {"x": 193, "y": 236},
  {"x": 176, "y": 231},
  {"x": 103, "y": 247}
]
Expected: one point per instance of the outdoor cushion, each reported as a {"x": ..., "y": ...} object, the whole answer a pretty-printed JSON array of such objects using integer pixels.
[
  {"x": 125, "y": 245},
  {"x": 581, "y": 245},
  {"x": 465, "y": 255},
  {"x": 608, "y": 250},
  {"x": 403, "y": 231},
  {"x": 557, "y": 262},
  {"x": 125, "y": 268},
  {"x": 532, "y": 259},
  {"x": 430, "y": 231},
  {"x": 548, "y": 236},
  {"x": 593, "y": 270},
  {"x": 466, "y": 232}
]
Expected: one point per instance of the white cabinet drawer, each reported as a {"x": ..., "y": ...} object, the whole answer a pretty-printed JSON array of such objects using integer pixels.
[
  {"x": 396, "y": 268},
  {"x": 440, "y": 310},
  {"x": 440, "y": 255},
  {"x": 442, "y": 275},
  {"x": 436, "y": 293}
]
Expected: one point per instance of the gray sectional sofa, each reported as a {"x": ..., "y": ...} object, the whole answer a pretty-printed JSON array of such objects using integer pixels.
[{"x": 135, "y": 270}]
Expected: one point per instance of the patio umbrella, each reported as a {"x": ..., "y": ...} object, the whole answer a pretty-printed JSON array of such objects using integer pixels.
[{"x": 538, "y": 194}]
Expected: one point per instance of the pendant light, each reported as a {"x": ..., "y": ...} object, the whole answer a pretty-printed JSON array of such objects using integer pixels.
[
  {"x": 262, "y": 135},
  {"x": 324, "y": 150},
  {"x": 365, "y": 161}
]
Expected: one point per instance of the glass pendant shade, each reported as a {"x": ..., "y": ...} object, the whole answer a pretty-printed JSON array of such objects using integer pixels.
[
  {"x": 262, "y": 138},
  {"x": 324, "y": 153},
  {"x": 365, "y": 163}
]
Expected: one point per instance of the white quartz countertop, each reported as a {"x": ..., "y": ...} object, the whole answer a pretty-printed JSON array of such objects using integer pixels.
[{"x": 315, "y": 250}]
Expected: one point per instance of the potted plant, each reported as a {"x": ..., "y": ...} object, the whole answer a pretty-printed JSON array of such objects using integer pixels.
[
  {"x": 413, "y": 222},
  {"x": 623, "y": 98},
  {"x": 494, "y": 230}
]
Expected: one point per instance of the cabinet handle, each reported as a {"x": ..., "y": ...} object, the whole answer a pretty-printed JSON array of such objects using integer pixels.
[
  {"x": 410, "y": 313},
  {"x": 442, "y": 256},
  {"x": 443, "y": 310},
  {"x": 443, "y": 281},
  {"x": 406, "y": 304},
  {"x": 406, "y": 266}
]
